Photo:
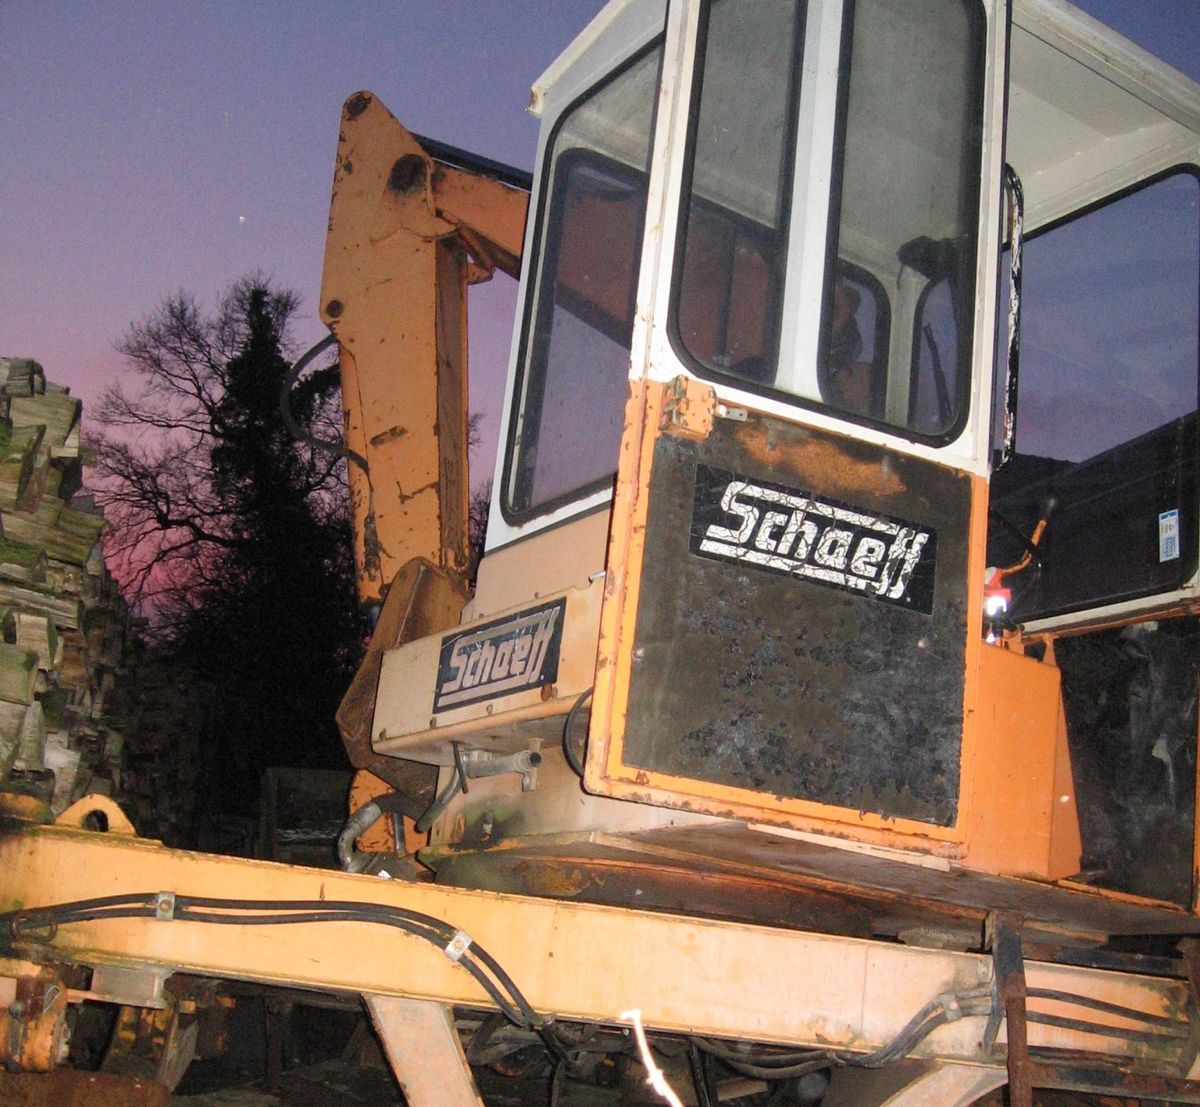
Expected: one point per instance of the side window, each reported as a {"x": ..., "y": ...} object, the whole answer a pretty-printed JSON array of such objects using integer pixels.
[
  {"x": 570, "y": 398},
  {"x": 1106, "y": 411}
]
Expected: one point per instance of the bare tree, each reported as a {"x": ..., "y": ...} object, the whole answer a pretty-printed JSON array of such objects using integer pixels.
[
  {"x": 232, "y": 536},
  {"x": 172, "y": 522}
]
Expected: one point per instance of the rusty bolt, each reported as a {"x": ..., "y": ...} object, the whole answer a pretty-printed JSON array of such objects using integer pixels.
[{"x": 334, "y": 308}]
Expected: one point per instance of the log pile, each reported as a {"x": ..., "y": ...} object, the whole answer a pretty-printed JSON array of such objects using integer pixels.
[{"x": 64, "y": 629}]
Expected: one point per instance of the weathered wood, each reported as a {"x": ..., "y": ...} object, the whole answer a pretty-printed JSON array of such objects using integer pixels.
[
  {"x": 18, "y": 455},
  {"x": 18, "y": 674},
  {"x": 37, "y": 633},
  {"x": 57, "y": 412},
  {"x": 66, "y": 611},
  {"x": 63, "y": 624},
  {"x": 21, "y": 376},
  {"x": 31, "y": 739},
  {"x": 69, "y": 535},
  {"x": 22, "y": 562}
]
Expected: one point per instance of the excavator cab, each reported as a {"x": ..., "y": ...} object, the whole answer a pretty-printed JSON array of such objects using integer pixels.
[
  {"x": 853, "y": 385},
  {"x": 827, "y": 689}
]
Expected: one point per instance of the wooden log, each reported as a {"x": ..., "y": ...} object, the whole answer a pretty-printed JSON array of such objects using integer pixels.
[
  {"x": 31, "y": 739},
  {"x": 68, "y": 771},
  {"x": 36, "y": 632},
  {"x": 70, "y": 447},
  {"x": 18, "y": 674},
  {"x": 57, "y": 412},
  {"x": 69, "y": 535},
  {"x": 18, "y": 456},
  {"x": 66, "y": 611},
  {"x": 21, "y": 376},
  {"x": 22, "y": 562}
]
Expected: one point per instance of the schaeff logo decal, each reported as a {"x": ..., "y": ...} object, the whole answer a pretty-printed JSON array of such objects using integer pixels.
[
  {"x": 500, "y": 658},
  {"x": 795, "y": 533}
]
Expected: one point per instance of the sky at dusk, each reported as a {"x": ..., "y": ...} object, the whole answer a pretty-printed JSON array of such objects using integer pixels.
[{"x": 156, "y": 146}]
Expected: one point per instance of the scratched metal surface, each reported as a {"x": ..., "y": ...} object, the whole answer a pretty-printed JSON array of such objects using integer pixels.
[{"x": 757, "y": 680}]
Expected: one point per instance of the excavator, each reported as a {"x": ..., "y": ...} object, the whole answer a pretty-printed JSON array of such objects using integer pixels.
[{"x": 820, "y": 720}]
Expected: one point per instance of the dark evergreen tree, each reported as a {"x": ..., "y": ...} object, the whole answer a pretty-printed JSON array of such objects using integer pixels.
[{"x": 233, "y": 537}]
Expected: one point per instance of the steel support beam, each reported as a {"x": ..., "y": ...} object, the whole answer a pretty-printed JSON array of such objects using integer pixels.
[
  {"x": 912, "y": 1085},
  {"x": 424, "y": 1051},
  {"x": 577, "y": 961}
]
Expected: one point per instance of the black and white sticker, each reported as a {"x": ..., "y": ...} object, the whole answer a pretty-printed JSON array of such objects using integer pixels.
[
  {"x": 500, "y": 658},
  {"x": 795, "y": 533},
  {"x": 1168, "y": 535}
]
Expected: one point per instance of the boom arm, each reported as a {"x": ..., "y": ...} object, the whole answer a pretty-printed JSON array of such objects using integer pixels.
[{"x": 407, "y": 235}]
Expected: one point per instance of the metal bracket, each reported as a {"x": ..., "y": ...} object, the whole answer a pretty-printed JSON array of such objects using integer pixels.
[
  {"x": 1003, "y": 934},
  {"x": 480, "y": 763},
  {"x": 688, "y": 409},
  {"x": 457, "y": 947},
  {"x": 126, "y": 987}
]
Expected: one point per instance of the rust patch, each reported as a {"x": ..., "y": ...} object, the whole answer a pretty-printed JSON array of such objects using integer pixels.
[
  {"x": 392, "y": 434},
  {"x": 404, "y": 497},
  {"x": 74, "y": 1088},
  {"x": 821, "y": 462},
  {"x": 357, "y": 104}
]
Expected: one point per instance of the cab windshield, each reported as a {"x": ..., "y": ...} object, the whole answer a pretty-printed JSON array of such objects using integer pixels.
[
  {"x": 896, "y": 277},
  {"x": 893, "y": 206}
]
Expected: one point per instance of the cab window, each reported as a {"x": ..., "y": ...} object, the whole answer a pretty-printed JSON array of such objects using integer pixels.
[
  {"x": 903, "y": 209},
  {"x": 1106, "y": 438},
  {"x": 569, "y": 401}
]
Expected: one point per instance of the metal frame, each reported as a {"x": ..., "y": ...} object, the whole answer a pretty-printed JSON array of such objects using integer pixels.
[{"x": 574, "y": 961}]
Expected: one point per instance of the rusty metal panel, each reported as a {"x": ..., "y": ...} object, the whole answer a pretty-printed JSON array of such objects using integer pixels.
[{"x": 801, "y": 626}]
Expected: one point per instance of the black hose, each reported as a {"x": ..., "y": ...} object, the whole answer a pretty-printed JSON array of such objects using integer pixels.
[
  {"x": 391, "y": 803},
  {"x": 574, "y": 759},
  {"x": 701, "y": 1081},
  {"x": 1164, "y": 1021},
  {"x": 484, "y": 968},
  {"x": 788, "y": 1065},
  {"x": 456, "y": 784},
  {"x": 289, "y": 420}
]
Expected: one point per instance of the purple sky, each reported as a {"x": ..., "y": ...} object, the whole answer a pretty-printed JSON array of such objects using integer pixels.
[{"x": 149, "y": 147}]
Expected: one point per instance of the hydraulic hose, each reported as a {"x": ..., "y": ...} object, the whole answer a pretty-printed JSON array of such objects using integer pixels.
[
  {"x": 289, "y": 420},
  {"x": 392, "y": 803}
]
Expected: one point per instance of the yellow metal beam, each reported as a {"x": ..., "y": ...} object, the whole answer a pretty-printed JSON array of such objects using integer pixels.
[
  {"x": 576, "y": 961},
  {"x": 424, "y": 1050}
]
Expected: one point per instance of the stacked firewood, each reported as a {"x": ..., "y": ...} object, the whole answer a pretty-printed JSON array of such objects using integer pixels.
[{"x": 63, "y": 625}]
